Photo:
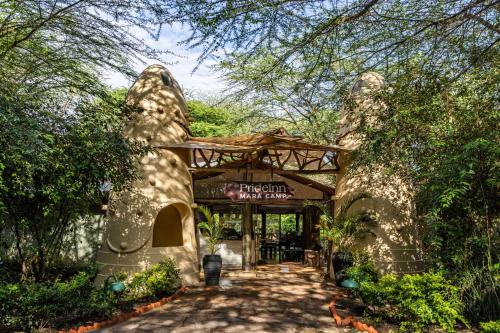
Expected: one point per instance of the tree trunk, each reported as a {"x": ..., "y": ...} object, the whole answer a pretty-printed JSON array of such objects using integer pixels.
[
  {"x": 22, "y": 261},
  {"x": 329, "y": 266}
]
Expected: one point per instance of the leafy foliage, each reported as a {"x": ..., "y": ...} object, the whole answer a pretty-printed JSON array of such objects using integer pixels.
[
  {"x": 161, "y": 279},
  {"x": 344, "y": 229},
  {"x": 331, "y": 42},
  {"x": 30, "y": 306},
  {"x": 443, "y": 137},
  {"x": 288, "y": 224},
  {"x": 480, "y": 289},
  {"x": 363, "y": 268},
  {"x": 55, "y": 160},
  {"x": 61, "y": 127},
  {"x": 490, "y": 327},
  {"x": 213, "y": 225},
  {"x": 415, "y": 301},
  {"x": 61, "y": 303},
  {"x": 67, "y": 44},
  {"x": 210, "y": 120},
  {"x": 304, "y": 109}
]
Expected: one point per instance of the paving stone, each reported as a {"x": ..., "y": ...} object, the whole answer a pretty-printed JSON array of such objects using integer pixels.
[
  {"x": 148, "y": 327},
  {"x": 274, "y": 301}
]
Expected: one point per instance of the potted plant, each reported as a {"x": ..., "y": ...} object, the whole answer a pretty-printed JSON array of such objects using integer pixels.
[
  {"x": 342, "y": 231},
  {"x": 212, "y": 263}
]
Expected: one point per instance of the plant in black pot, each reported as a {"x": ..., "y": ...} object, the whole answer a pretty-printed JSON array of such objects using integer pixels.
[
  {"x": 342, "y": 232},
  {"x": 212, "y": 263}
]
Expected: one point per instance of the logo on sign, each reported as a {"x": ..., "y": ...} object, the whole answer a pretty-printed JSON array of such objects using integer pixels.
[{"x": 258, "y": 191}]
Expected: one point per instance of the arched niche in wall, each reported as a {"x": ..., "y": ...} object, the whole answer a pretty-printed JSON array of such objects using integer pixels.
[{"x": 167, "y": 230}]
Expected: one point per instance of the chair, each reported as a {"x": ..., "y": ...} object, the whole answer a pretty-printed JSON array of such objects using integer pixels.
[
  {"x": 268, "y": 250},
  {"x": 293, "y": 254}
]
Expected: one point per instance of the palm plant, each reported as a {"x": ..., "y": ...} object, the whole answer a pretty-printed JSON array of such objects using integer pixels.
[
  {"x": 343, "y": 230},
  {"x": 213, "y": 226}
]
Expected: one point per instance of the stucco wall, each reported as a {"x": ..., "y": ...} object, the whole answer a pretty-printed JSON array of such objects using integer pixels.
[
  {"x": 231, "y": 252},
  {"x": 158, "y": 117},
  {"x": 396, "y": 245}
]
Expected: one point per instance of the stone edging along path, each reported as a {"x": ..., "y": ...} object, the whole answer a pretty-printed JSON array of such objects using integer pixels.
[
  {"x": 360, "y": 326},
  {"x": 122, "y": 317}
]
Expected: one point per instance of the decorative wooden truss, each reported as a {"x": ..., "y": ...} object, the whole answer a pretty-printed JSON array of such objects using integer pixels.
[
  {"x": 274, "y": 150},
  {"x": 293, "y": 160}
]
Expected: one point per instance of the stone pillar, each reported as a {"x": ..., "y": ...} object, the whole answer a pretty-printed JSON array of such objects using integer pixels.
[
  {"x": 395, "y": 246},
  {"x": 247, "y": 236}
]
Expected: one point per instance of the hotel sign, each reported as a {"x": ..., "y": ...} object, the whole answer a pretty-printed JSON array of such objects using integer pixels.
[{"x": 257, "y": 191}]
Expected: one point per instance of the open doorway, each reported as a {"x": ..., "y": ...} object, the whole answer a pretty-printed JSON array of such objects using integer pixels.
[{"x": 280, "y": 237}]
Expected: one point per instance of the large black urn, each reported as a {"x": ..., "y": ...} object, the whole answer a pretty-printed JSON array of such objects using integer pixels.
[
  {"x": 341, "y": 261},
  {"x": 212, "y": 266}
]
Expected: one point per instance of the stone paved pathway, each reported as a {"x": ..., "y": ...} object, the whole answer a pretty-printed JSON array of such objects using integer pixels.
[{"x": 271, "y": 300}]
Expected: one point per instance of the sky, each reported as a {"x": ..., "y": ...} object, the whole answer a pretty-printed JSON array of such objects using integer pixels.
[{"x": 181, "y": 63}]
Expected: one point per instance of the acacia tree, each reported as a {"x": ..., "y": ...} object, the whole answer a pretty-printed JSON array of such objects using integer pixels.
[
  {"x": 68, "y": 44},
  {"x": 53, "y": 168},
  {"x": 297, "y": 59},
  {"x": 316, "y": 48},
  {"x": 337, "y": 40},
  {"x": 208, "y": 120},
  {"x": 303, "y": 108},
  {"x": 61, "y": 128},
  {"x": 440, "y": 129}
]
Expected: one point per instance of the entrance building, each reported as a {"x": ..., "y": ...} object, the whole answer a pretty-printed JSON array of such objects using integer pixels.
[{"x": 258, "y": 183}]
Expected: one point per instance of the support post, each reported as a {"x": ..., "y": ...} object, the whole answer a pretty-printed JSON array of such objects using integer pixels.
[
  {"x": 304, "y": 225},
  {"x": 247, "y": 237},
  {"x": 297, "y": 223},
  {"x": 307, "y": 228},
  {"x": 329, "y": 250},
  {"x": 279, "y": 239},
  {"x": 264, "y": 225}
]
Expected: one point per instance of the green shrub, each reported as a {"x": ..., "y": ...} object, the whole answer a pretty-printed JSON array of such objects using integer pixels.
[
  {"x": 64, "y": 269},
  {"x": 480, "y": 288},
  {"x": 363, "y": 269},
  {"x": 415, "y": 301},
  {"x": 490, "y": 327},
  {"x": 10, "y": 271},
  {"x": 10, "y": 294},
  {"x": 29, "y": 306},
  {"x": 161, "y": 279}
]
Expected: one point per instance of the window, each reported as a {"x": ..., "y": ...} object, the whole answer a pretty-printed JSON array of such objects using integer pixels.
[{"x": 167, "y": 230}]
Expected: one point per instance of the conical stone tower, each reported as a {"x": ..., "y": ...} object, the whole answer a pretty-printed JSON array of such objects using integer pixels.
[
  {"x": 154, "y": 219},
  {"x": 395, "y": 245}
]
